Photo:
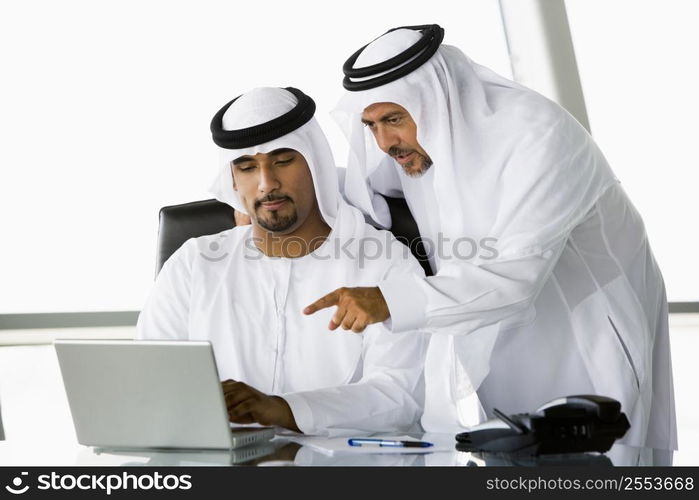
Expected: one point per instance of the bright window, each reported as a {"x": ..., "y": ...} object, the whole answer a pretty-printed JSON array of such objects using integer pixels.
[
  {"x": 637, "y": 61},
  {"x": 105, "y": 119}
]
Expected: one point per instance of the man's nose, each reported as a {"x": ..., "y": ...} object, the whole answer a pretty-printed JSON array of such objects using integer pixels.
[
  {"x": 268, "y": 180},
  {"x": 386, "y": 139}
]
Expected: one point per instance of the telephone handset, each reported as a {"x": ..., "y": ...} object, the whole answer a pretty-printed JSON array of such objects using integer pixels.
[
  {"x": 570, "y": 424},
  {"x": 606, "y": 409}
]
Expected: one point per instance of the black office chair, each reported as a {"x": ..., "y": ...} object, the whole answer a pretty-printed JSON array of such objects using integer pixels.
[{"x": 178, "y": 223}]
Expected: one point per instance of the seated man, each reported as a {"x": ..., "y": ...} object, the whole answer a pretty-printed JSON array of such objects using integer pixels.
[{"x": 244, "y": 289}]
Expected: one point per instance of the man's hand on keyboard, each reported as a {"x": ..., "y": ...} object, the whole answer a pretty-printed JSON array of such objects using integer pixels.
[{"x": 247, "y": 405}]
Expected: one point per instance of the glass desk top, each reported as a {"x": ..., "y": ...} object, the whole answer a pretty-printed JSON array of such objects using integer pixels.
[{"x": 281, "y": 451}]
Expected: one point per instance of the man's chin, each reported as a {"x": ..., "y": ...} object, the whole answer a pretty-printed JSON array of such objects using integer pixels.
[
  {"x": 278, "y": 225},
  {"x": 416, "y": 168}
]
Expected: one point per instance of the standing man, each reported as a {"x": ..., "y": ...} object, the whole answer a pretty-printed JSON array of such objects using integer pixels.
[{"x": 545, "y": 284}]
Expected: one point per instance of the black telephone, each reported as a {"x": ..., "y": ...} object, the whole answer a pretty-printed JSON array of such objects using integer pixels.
[{"x": 571, "y": 424}]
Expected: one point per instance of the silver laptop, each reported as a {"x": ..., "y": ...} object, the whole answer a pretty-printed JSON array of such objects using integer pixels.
[{"x": 148, "y": 394}]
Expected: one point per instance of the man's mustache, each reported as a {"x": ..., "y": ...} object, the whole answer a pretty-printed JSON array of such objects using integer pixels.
[
  {"x": 396, "y": 151},
  {"x": 270, "y": 198}
]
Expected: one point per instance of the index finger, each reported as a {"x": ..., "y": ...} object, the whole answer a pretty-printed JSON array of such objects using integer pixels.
[
  {"x": 234, "y": 399},
  {"x": 232, "y": 386},
  {"x": 328, "y": 300}
]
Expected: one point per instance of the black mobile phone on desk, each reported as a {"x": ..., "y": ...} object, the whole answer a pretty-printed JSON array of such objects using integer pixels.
[{"x": 566, "y": 425}]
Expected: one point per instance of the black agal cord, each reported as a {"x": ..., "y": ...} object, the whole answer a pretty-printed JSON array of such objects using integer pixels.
[
  {"x": 396, "y": 67},
  {"x": 264, "y": 132}
]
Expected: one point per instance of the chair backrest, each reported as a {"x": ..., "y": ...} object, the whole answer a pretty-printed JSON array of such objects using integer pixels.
[{"x": 178, "y": 223}]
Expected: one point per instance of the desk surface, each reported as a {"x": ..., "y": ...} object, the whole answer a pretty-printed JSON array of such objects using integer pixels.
[
  {"x": 282, "y": 452},
  {"x": 39, "y": 432}
]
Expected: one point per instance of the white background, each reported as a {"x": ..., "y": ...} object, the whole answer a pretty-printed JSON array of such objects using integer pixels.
[
  {"x": 638, "y": 66},
  {"x": 105, "y": 110}
]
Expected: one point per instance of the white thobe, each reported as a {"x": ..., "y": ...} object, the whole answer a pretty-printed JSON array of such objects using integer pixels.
[
  {"x": 587, "y": 316},
  {"x": 221, "y": 288},
  {"x": 572, "y": 301}
]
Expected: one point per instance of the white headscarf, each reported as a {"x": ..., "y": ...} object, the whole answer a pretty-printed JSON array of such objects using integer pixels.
[
  {"x": 492, "y": 143},
  {"x": 262, "y": 105}
]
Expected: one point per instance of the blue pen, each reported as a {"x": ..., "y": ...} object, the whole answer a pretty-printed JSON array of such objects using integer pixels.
[{"x": 388, "y": 442}]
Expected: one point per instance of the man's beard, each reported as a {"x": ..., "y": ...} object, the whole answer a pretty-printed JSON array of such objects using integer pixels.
[
  {"x": 426, "y": 161},
  {"x": 273, "y": 221}
]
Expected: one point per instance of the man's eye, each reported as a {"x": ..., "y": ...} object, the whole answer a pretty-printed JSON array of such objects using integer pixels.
[
  {"x": 394, "y": 120},
  {"x": 246, "y": 168},
  {"x": 284, "y": 162}
]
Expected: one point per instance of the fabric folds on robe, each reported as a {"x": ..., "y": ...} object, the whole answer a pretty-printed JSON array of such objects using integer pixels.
[{"x": 561, "y": 295}]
